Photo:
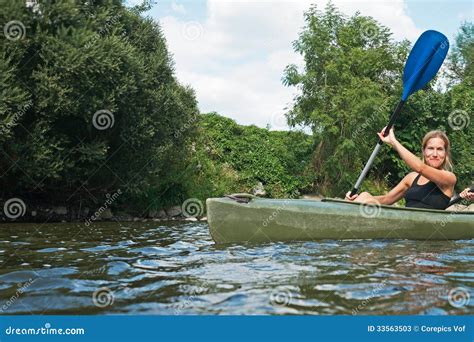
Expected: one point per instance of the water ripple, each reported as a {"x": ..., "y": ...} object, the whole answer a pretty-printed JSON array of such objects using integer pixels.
[{"x": 175, "y": 268}]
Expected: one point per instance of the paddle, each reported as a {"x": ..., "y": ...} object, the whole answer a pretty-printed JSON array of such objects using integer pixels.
[
  {"x": 421, "y": 66},
  {"x": 457, "y": 198}
]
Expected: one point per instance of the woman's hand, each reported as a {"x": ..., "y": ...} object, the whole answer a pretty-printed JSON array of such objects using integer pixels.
[
  {"x": 351, "y": 198},
  {"x": 390, "y": 138},
  {"x": 466, "y": 194}
]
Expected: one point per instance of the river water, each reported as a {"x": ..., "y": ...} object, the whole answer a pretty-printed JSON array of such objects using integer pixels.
[{"x": 175, "y": 268}]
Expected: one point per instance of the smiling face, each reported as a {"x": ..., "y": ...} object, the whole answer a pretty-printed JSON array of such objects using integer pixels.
[{"x": 435, "y": 153}]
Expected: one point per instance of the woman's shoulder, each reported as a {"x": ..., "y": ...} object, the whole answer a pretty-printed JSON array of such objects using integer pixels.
[
  {"x": 451, "y": 174},
  {"x": 410, "y": 177},
  {"x": 450, "y": 177}
]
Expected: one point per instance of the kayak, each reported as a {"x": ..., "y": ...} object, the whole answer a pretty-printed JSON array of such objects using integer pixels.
[{"x": 246, "y": 218}]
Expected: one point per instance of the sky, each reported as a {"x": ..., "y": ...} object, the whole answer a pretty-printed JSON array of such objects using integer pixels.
[{"x": 233, "y": 53}]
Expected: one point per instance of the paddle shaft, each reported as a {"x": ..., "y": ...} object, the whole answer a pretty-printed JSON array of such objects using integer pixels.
[
  {"x": 458, "y": 198},
  {"x": 377, "y": 148}
]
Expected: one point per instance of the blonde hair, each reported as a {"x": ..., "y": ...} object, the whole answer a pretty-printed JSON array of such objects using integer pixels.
[{"x": 447, "y": 163}]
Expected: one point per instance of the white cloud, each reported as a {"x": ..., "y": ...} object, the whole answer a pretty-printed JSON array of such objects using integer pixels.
[
  {"x": 178, "y": 8},
  {"x": 392, "y": 14},
  {"x": 133, "y": 2},
  {"x": 235, "y": 58}
]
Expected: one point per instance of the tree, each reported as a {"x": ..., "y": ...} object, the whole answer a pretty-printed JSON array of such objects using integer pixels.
[
  {"x": 90, "y": 103},
  {"x": 350, "y": 83},
  {"x": 461, "y": 59},
  {"x": 460, "y": 104}
]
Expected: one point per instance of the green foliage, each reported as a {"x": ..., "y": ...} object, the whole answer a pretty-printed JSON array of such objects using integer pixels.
[
  {"x": 460, "y": 101},
  {"x": 461, "y": 59},
  {"x": 351, "y": 83},
  {"x": 75, "y": 59},
  {"x": 234, "y": 158}
]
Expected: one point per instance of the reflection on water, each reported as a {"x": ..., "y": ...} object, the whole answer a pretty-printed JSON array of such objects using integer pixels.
[{"x": 152, "y": 268}]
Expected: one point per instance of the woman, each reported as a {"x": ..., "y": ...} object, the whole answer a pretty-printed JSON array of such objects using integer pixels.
[{"x": 430, "y": 185}]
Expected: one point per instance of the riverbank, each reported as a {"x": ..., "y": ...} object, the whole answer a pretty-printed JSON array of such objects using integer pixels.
[
  {"x": 35, "y": 211},
  {"x": 15, "y": 210}
]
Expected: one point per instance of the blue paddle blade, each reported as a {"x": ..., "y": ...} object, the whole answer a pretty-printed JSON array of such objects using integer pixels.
[{"x": 424, "y": 61}]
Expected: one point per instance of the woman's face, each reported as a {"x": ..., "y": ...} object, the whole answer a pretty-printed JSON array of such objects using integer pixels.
[{"x": 435, "y": 152}]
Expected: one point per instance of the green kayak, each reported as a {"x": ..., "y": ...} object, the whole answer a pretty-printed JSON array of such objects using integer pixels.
[{"x": 245, "y": 218}]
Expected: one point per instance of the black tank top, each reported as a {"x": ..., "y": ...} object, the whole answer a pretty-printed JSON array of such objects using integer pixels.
[{"x": 427, "y": 196}]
